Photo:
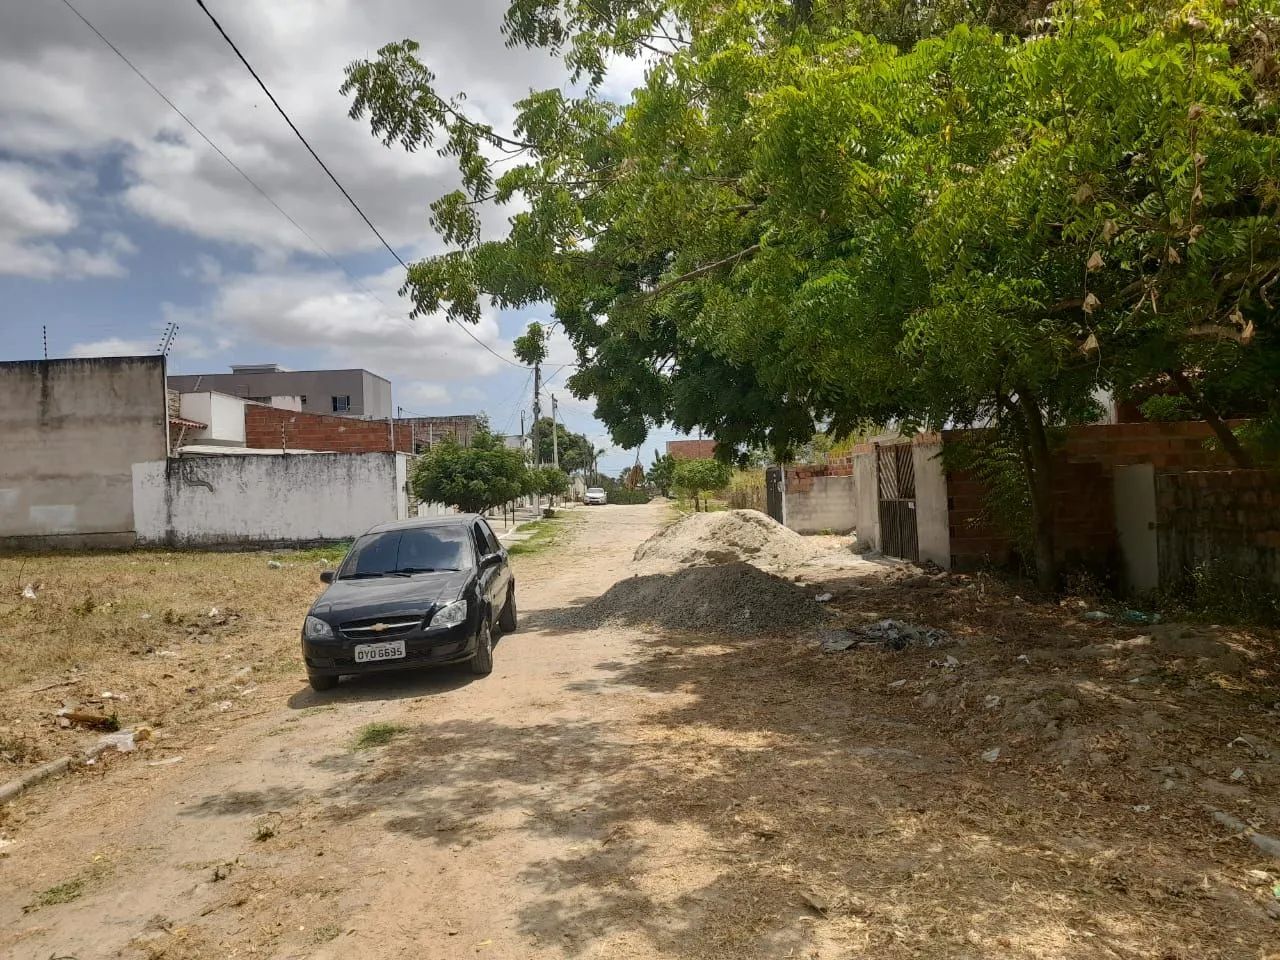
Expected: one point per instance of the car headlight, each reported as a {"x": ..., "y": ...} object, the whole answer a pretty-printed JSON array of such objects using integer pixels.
[
  {"x": 450, "y": 615},
  {"x": 316, "y": 629}
]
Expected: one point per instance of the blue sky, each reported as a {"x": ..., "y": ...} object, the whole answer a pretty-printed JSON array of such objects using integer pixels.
[{"x": 116, "y": 219}]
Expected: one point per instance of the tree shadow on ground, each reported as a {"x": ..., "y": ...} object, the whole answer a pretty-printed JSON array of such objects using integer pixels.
[
  {"x": 768, "y": 801},
  {"x": 406, "y": 684}
]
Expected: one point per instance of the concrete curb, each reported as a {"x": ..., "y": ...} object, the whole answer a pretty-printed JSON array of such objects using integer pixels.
[{"x": 29, "y": 779}]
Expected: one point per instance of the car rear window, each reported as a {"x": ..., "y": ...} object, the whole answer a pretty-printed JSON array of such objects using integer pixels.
[{"x": 415, "y": 550}]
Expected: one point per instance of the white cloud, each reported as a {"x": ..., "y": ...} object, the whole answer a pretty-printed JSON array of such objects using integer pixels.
[
  {"x": 35, "y": 214},
  {"x": 91, "y": 105},
  {"x": 112, "y": 347},
  {"x": 351, "y": 328}
]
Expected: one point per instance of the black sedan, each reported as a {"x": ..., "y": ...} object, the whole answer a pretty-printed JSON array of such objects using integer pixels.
[{"x": 409, "y": 594}]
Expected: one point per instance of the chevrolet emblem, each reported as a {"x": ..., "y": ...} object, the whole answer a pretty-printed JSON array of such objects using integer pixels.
[{"x": 379, "y": 627}]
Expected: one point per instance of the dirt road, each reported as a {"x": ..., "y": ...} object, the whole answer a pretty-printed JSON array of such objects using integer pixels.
[
  {"x": 619, "y": 793},
  {"x": 466, "y": 833}
]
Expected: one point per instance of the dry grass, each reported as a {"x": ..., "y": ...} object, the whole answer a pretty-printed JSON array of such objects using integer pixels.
[{"x": 167, "y": 635}]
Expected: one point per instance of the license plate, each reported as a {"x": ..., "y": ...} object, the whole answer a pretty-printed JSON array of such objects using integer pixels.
[{"x": 374, "y": 652}]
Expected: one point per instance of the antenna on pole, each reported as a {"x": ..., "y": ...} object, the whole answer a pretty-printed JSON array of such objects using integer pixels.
[{"x": 44, "y": 335}]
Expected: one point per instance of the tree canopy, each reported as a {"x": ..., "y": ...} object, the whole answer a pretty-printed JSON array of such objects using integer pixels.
[
  {"x": 821, "y": 212},
  {"x": 697, "y": 478},
  {"x": 473, "y": 478},
  {"x": 576, "y": 450}
]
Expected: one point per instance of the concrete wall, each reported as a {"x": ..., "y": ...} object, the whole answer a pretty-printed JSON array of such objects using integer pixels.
[
  {"x": 224, "y": 415},
  {"x": 264, "y": 499},
  {"x": 70, "y": 432},
  {"x": 370, "y": 395},
  {"x": 933, "y": 523},
  {"x": 820, "y": 504}
]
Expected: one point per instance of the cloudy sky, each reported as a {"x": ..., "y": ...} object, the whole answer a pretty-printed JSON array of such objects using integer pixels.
[{"x": 116, "y": 218}]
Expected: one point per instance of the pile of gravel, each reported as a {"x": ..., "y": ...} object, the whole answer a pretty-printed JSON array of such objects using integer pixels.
[
  {"x": 726, "y": 598},
  {"x": 728, "y": 536}
]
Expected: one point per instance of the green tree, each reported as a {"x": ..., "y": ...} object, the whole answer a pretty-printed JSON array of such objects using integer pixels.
[
  {"x": 472, "y": 478},
  {"x": 839, "y": 213},
  {"x": 662, "y": 473},
  {"x": 576, "y": 451},
  {"x": 549, "y": 482},
  {"x": 698, "y": 478}
]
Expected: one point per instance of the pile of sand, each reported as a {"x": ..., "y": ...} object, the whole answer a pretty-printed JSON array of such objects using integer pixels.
[
  {"x": 727, "y": 598},
  {"x": 728, "y": 536}
]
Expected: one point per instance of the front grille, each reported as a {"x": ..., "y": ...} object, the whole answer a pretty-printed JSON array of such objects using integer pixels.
[{"x": 380, "y": 628}]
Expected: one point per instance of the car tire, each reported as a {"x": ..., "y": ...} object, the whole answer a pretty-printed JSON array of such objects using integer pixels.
[
  {"x": 508, "y": 619},
  {"x": 482, "y": 660},
  {"x": 320, "y": 684}
]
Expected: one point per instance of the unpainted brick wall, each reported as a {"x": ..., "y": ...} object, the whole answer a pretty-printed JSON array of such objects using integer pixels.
[
  {"x": 1084, "y": 518},
  {"x": 821, "y": 499},
  {"x": 1231, "y": 517},
  {"x": 263, "y": 428}
]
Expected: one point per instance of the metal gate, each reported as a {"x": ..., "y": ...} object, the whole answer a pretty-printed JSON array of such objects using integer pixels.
[
  {"x": 897, "y": 487},
  {"x": 773, "y": 492}
]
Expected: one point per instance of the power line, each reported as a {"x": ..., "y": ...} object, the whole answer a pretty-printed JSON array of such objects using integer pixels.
[
  {"x": 220, "y": 152},
  {"x": 351, "y": 200}
]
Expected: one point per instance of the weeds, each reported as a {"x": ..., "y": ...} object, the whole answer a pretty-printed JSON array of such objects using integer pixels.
[
  {"x": 1216, "y": 592},
  {"x": 324, "y": 934},
  {"x": 266, "y": 827},
  {"x": 545, "y": 533},
  {"x": 375, "y": 735},
  {"x": 65, "y": 892}
]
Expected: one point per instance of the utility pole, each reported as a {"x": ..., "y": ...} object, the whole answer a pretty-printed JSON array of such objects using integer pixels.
[
  {"x": 44, "y": 333},
  {"x": 555, "y": 439},
  {"x": 537, "y": 409}
]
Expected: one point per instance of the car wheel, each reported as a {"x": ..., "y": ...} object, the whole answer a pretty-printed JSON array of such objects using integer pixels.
[
  {"x": 320, "y": 684},
  {"x": 508, "y": 619},
  {"x": 482, "y": 661}
]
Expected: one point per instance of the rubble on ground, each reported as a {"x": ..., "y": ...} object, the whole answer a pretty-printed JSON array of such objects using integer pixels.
[
  {"x": 727, "y": 598},
  {"x": 883, "y": 634},
  {"x": 727, "y": 536}
]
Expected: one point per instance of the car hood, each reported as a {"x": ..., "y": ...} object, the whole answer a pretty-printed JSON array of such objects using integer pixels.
[{"x": 376, "y": 597}]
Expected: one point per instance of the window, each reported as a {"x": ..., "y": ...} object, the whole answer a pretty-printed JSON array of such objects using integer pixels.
[
  {"x": 482, "y": 548},
  {"x": 342, "y": 404},
  {"x": 491, "y": 542},
  {"x": 399, "y": 552},
  {"x": 302, "y": 399}
]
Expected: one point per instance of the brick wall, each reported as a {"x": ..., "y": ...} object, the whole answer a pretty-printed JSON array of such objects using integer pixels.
[
  {"x": 314, "y": 431},
  {"x": 1228, "y": 516},
  {"x": 691, "y": 449},
  {"x": 429, "y": 430},
  {"x": 1084, "y": 520}
]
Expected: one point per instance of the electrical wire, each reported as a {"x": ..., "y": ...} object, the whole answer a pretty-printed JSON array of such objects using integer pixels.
[
  {"x": 217, "y": 149},
  {"x": 325, "y": 168}
]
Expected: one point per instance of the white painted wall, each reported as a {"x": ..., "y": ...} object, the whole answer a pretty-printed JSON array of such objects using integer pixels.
[
  {"x": 262, "y": 499},
  {"x": 933, "y": 519},
  {"x": 70, "y": 432},
  {"x": 224, "y": 415},
  {"x": 867, "y": 507}
]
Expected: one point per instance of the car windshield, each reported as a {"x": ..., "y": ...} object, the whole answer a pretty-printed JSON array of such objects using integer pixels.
[
  {"x": 595, "y": 490},
  {"x": 406, "y": 552}
]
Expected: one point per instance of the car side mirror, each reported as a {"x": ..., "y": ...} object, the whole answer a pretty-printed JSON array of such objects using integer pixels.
[
  {"x": 326, "y": 576},
  {"x": 490, "y": 559}
]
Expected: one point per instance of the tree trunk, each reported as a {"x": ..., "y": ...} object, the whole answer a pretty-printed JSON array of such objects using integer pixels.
[
  {"x": 1230, "y": 442},
  {"x": 1039, "y": 466}
]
